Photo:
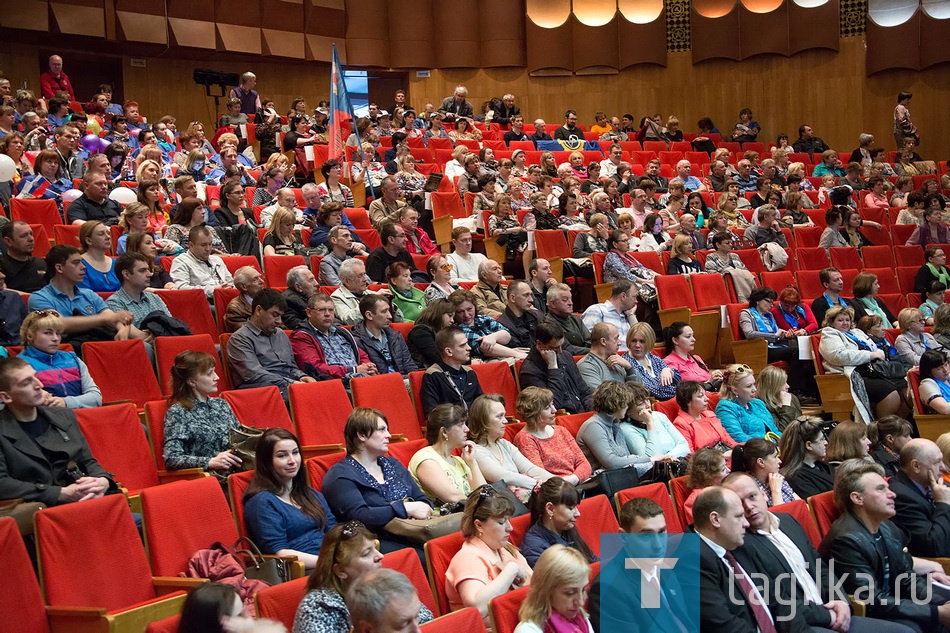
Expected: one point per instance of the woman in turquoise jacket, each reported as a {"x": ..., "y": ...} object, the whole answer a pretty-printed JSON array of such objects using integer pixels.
[{"x": 742, "y": 414}]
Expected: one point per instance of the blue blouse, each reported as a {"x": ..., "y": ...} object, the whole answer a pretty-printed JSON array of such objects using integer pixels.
[
  {"x": 274, "y": 525},
  {"x": 652, "y": 383},
  {"x": 744, "y": 423},
  {"x": 98, "y": 281}
]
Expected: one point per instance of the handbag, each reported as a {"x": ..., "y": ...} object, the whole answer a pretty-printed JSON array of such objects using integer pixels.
[
  {"x": 243, "y": 442},
  {"x": 273, "y": 571},
  {"x": 609, "y": 482},
  {"x": 421, "y": 530},
  {"x": 663, "y": 471},
  {"x": 884, "y": 369}
]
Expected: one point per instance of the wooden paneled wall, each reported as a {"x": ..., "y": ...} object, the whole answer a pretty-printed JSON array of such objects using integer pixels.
[
  {"x": 825, "y": 89},
  {"x": 828, "y": 90}
]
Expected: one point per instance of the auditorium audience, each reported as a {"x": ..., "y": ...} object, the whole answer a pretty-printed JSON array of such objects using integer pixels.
[
  {"x": 888, "y": 436},
  {"x": 743, "y": 415},
  {"x": 446, "y": 478},
  {"x": 546, "y": 443},
  {"x": 548, "y": 366}
]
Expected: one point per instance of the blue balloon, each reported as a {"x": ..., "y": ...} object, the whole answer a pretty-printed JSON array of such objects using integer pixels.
[{"x": 90, "y": 142}]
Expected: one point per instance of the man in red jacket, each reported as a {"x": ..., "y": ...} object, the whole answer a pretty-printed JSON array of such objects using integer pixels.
[
  {"x": 55, "y": 80},
  {"x": 321, "y": 348}
]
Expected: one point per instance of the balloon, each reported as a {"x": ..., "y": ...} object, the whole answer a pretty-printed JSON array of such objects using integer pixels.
[
  {"x": 72, "y": 194},
  {"x": 123, "y": 195},
  {"x": 103, "y": 144},
  {"x": 7, "y": 168},
  {"x": 90, "y": 142}
]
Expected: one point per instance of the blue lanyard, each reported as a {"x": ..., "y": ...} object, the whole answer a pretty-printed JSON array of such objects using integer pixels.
[
  {"x": 858, "y": 341},
  {"x": 792, "y": 319},
  {"x": 840, "y": 301},
  {"x": 766, "y": 324}
]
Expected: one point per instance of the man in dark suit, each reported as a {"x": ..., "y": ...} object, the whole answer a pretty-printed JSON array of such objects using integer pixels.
[
  {"x": 731, "y": 598},
  {"x": 638, "y": 516},
  {"x": 923, "y": 501},
  {"x": 871, "y": 559},
  {"x": 45, "y": 457},
  {"x": 779, "y": 541}
]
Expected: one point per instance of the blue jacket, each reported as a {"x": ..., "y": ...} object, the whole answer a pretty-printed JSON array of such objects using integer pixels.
[{"x": 744, "y": 423}]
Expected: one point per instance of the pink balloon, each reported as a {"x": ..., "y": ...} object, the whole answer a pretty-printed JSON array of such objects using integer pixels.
[{"x": 71, "y": 195}]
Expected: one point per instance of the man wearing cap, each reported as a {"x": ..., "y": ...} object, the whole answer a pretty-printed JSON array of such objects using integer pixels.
[{"x": 384, "y": 123}]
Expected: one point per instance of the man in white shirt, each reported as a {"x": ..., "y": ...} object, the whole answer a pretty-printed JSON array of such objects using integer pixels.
[
  {"x": 619, "y": 310},
  {"x": 464, "y": 262},
  {"x": 608, "y": 166},
  {"x": 346, "y": 298},
  {"x": 198, "y": 268},
  {"x": 285, "y": 198}
]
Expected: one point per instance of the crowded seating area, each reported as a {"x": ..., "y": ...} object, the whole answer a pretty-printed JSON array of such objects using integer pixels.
[{"x": 423, "y": 377}]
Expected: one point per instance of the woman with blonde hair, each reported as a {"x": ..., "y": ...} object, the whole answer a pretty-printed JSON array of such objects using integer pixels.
[
  {"x": 555, "y": 601},
  {"x": 148, "y": 170},
  {"x": 728, "y": 205},
  {"x": 658, "y": 378},
  {"x": 281, "y": 239},
  {"x": 66, "y": 379},
  {"x": 545, "y": 443},
  {"x": 682, "y": 261},
  {"x": 195, "y": 165},
  {"x": 798, "y": 169},
  {"x": 779, "y": 400},
  {"x": 742, "y": 414},
  {"x": 488, "y": 564}
]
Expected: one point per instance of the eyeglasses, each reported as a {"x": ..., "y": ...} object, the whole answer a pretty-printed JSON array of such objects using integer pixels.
[{"x": 446, "y": 267}]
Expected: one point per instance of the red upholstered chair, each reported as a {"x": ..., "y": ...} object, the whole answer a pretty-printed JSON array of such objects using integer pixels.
[
  {"x": 280, "y": 602},
  {"x": 43, "y": 212},
  {"x": 468, "y": 620},
  {"x": 809, "y": 285},
  {"x": 276, "y": 267},
  {"x": 710, "y": 291},
  {"x": 824, "y": 510},
  {"x": 317, "y": 467},
  {"x": 497, "y": 378},
  {"x": 319, "y": 410},
  {"x": 94, "y": 569},
  {"x": 659, "y": 493},
  {"x": 403, "y": 451},
  {"x": 168, "y": 347},
  {"x": 519, "y": 525},
  {"x": 447, "y": 204},
  {"x": 136, "y": 381},
  {"x": 174, "y": 535},
  {"x": 222, "y": 297},
  {"x": 115, "y": 436},
  {"x": 596, "y": 518},
  {"x": 21, "y": 600},
  {"x": 778, "y": 279},
  {"x": 165, "y": 625},
  {"x": 680, "y": 491},
  {"x": 439, "y": 553},
  {"x": 799, "y": 510},
  {"x": 406, "y": 561},
  {"x": 262, "y": 407},
  {"x": 387, "y": 393},
  {"x": 233, "y": 262},
  {"x": 503, "y": 610},
  {"x": 237, "y": 484},
  {"x": 878, "y": 257},
  {"x": 846, "y": 257},
  {"x": 674, "y": 291},
  {"x": 906, "y": 255},
  {"x": 813, "y": 258},
  {"x": 191, "y": 306},
  {"x": 573, "y": 422},
  {"x": 808, "y": 236}
]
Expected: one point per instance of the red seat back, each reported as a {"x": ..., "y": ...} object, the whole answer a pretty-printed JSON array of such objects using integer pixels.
[
  {"x": 317, "y": 467},
  {"x": 657, "y": 492},
  {"x": 504, "y": 610},
  {"x": 680, "y": 491},
  {"x": 136, "y": 381},
  {"x": 813, "y": 258},
  {"x": 191, "y": 306},
  {"x": 710, "y": 291},
  {"x": 906, "y": 255},
  {"x": 155, "y": 416},
  {"x": 403, "y": 451},
  {"x": 406, "y": 561},
  {"x": 674, "y": 291},
  {"x": 573, "y": 422},
  {"x": 276, "y": 267},
  {"x": 799, "y": 510},
  {"x": 183, "y": 517},
  {"x": 43, "y": 212},
  {"x": 233, "y": 262},
  {"x": 78, "y": 548},
  {"x": 320, "y": 410},
  {"x": 497, "y": 378},
  {"x": 878, "y": 257},
  {"x": 825, "y": 511},
  {"x": 222, "y": 297},
  {"x": 115, "y": 436},
  {"x": 551, "y": 244},
  {"x": 387, "y": 393},
  {"x": 262, "y": 407},
  {"x": 596, "y": 517},
  {"x": 237, "y": 484},
  {"x": 280, "y": 602},
  {"x": 21, "y": 600},
  {"x": 439, "y": 553}
]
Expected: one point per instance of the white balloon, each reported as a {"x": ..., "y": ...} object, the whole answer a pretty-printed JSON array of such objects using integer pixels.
[
  {"x": 7, "y": 168},
  {"x": 72, "y": 194},
  {"x": 123, "y": 195}
]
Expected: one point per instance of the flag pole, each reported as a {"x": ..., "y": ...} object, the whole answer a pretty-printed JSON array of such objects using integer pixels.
[{"x": 341, "y": 112}]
